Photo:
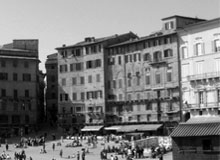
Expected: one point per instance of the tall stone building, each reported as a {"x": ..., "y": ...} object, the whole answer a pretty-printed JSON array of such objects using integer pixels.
[
  {"x": 143, "y": 76},
  {"x": 82, "y": 80},
  {"x": 200, "y": 68},
  {"x": 51, "y": 66},
  {"x": 19, "y": 87}
]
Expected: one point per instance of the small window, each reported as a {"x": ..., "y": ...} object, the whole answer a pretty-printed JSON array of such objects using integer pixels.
[
  {"x": 201, "y": 97},
  {"x": 147, "y": 57},
  {"x": 63, "y": 82},
  {"x": 198, "y": 49},
  {"x": 157, "y": 77},
  {"x": 90, "y": 79},
  {"x": 74, "y": 81}
]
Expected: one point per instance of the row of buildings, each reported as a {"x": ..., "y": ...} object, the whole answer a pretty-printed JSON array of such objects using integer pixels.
[
  {"x": 165, "y": 77},
  {"x": 21, "y": 88}
]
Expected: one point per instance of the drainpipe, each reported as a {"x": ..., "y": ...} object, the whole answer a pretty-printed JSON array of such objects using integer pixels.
[{"x": 179, "y": 79}]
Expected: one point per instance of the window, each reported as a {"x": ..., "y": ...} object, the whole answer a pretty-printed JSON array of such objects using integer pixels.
[
  {"x": 168, "y": 53},
  {"x": 135, "y": 57},
  {"x": 184, "y": 52},
  {"x": 15, "y": 106},
  {"x": 15, "y": 76},
  {"x": 3, "y": 64},
  {"x": 3, "y": 76},
  {"x": 157, "y": 56},
  {"x": 63, "y": 81},
  {"x": 61, "y": 97},
  {"x": 167, "y": 40},
  {"x": 63, "y": 68},
  {"x": 198, "y": 49},
  {"x": 74, "y": 81},
  {"x": 147, "y": 79},
  {"x": 15, "y": 93},
  {"x": 3, "y": 92},
  {"x": 129, "y": 97},
  {"x": 201, "y": 97},
  {"x": 130, "y": 57},
  {"x": 89, "y": 64},
  {"x": 97, "y": 77},
  {"x": 98, "y": 63},
  {"x": 27, "y": 77},
  {"x": 81, "y": 80},
  {"x": 199, "y": 67},
  {"x": 126, "y": 58},
  {"x": 169, "y": 74},
  {"x": 148, "y": 117},
  {"x": 66, "y": 97},
  {"x": 82, "y": 96},
  {"x": 74, "y": 96},
  {"x": 169, "y": 25},
  {"x": 217, "y": 45},
  {"x": 119, "y": 60},
  {"x": 26, "y": 93},
  {"x": 26, "y": 64},
  {"x": 218, "y": 95},
  {"x": 147, "y": 57},
  {"x": 129, "y": 82},
  {"x": 157, "y": 77},
  {"x": 138, "y": 78},
  {"x": 149, "y": 106},
  {"x": 185, "y": 70},
  {"x": 15, "y": 63},
  {"x": 120, "y": 83},
  {"x": 114, "y": 83},
  {"x": 207, "y": 144},
  {"x": 90, "y": 79}
]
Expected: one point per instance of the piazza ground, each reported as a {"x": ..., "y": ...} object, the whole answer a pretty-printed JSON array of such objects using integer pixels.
[{"x": 34, "y": 152}]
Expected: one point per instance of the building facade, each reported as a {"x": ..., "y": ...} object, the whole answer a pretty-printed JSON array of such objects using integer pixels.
[
  {"x": 143, "y": 76},
  {"x": 200, "y": 68},
  {"x": 81, "y": 80},
  {"x": 51, "y": 66},
  {"x": 19, "y": 87}
]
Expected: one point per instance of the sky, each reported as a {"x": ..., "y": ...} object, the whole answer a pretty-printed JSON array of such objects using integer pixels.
[{"x": 58, "y": 22}]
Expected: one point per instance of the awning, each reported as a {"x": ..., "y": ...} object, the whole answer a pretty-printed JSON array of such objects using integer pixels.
[
  {"x": 201, "y": 126},
  {"x": 91, "y": 128},
  {"x": 141, "y": 127},
  {"x": 113, "y": 128}
]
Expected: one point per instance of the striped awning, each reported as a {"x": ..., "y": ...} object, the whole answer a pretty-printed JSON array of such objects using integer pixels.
[
  {"x": 197, "y": 127},
  {"x": 141, "y": 127},
  {"x": 91, "y": 128}
]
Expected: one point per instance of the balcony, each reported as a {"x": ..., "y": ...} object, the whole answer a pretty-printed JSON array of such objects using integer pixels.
[
  {"x": 204, "y": 76},
  {"x": 167, "y": 85},
  {"x": 157, "y": 62}
]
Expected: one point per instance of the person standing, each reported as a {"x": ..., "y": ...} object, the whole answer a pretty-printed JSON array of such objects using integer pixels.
[
  {"x": 53, "y": 146},
  {"x": 6, "y": 146},
  {"x": 83, "y": 155},
  {"x": 78, "y": 155},
  {"x": 61, "y": 153}
]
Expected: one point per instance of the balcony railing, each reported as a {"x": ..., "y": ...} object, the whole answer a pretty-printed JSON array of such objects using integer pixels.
[
  {"x": 203, "y": 76},
  {"x": 157, "y": 61}
]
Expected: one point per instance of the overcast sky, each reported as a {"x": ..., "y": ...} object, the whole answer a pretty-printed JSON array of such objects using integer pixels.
[{"x": 58, "y": 22}]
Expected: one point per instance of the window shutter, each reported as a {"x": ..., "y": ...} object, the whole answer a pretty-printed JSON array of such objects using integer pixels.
[
  {"x": 203, "y": 48},
  {"x": 194, "y": 50},
  {"x": 213, "y": 46}
]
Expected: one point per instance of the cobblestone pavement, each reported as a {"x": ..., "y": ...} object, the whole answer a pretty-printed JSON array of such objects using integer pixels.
[{"x": 94, "y": 153}]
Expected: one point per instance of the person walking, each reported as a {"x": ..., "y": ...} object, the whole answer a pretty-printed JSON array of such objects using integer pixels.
[
  {"x": 61, "y": 153},
  {"x": 6, "y": 146},
  {"x": 83, "y": 155}
]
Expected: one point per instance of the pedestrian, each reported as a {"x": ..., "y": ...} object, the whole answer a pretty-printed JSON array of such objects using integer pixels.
[
  {"x": 116, "y": 158},
  {"x": 61, "y": 153},
  {"x": 53, "y": 146},
  {"x": 78, "y": 155},
  {"x": 111, "y": 158},
  {"x": 83, "y": 155},
  {"x": 31, "y": 158},
  {"x": 6, "y": 146}
]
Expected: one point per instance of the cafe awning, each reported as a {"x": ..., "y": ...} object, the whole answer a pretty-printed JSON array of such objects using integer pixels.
[
  {"x": 142, "y": 127},
  {"x": 113, "y": 128},
  {"x": 91, "y": 128},
  {"x": 200, "y": 126}
]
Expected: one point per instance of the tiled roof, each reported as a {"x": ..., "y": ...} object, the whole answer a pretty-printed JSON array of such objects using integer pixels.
[{"x": 201, "y": 126}]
